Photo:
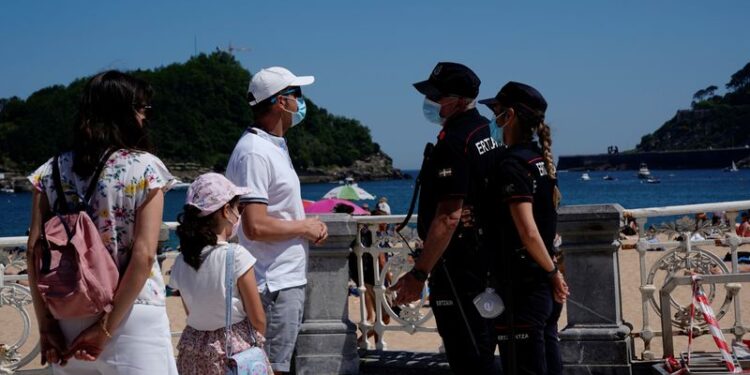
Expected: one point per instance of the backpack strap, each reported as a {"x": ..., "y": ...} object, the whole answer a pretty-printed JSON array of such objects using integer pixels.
[
  {"x": 60, "y": 206},
  {"x": 96, "y": 175},
  {"x": 61, "y": 203}
]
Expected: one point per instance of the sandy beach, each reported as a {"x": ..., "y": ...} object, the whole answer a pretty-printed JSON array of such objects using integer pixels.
[{"x": 12, "y": 324}]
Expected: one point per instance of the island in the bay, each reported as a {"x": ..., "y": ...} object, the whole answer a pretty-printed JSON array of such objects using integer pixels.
[
  {"x": 713, "y": 133},
  {"x": 199, "y": 112}
]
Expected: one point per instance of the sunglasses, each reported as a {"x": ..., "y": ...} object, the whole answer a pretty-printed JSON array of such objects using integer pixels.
[
  {"x": 142, "y": 107},
  {"x": 294, "y": 91}
]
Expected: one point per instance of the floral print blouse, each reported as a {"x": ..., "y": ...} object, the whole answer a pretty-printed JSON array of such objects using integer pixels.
[{"x": 124, "y": 184}]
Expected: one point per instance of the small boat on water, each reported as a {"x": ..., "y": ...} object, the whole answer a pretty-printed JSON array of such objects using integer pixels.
[
  {"x": 608, "y": 178},
  {"x": 7, "y": 190},
  {"x": 733, "y": 168},
  {"x": 653, "y": 180},
  {"x": 585, "y": 177},
  {"x": 643, "y": 172}
]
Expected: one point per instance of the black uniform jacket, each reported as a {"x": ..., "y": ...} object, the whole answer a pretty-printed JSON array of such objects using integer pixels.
[
  {"x": 520, "y": 175},
  {"x": 458, "y": 168}
]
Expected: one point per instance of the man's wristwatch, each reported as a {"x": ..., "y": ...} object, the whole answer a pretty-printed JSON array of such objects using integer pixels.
[
  {"x": 419, "y": 275},
  {"x": 553, "y": 273}
]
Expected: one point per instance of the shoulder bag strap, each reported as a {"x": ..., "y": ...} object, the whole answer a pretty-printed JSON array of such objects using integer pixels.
[{"x": 229, "y": 288}]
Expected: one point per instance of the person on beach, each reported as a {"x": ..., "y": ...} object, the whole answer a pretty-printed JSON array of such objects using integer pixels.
[
  {"x": 525, "y": 198},
  {"x": 454, "y": 176},
  {"x": 384, "y": 206},
  {"x": 132, "y": 338},
  {"x": 743, "y": 230},
  {"x": 208, "y": 220},
  {"x": 274, "y": 226}
]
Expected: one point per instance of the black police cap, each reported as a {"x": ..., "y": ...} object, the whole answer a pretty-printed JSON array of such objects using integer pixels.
[
  {"x": 516, "y": 94},
  {"x": 449, "y": 78}
]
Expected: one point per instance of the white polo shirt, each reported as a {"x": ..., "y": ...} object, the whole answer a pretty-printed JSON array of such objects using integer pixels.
[{"x": 261, "y": 162}]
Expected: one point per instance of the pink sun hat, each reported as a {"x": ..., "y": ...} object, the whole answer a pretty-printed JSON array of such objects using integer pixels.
[{"x": 211, "y": 191}]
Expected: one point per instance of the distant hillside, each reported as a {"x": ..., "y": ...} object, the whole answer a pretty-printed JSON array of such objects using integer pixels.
[
  {"x": 714, "y": 121},
  {"x": 199, "y": 111}
]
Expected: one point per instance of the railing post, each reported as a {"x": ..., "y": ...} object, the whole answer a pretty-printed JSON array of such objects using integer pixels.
[
  {"x": 595, "y": 340},
  {"x": 327, "y": 342}
]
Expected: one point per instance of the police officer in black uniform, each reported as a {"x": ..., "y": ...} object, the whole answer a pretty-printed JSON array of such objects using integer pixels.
[
  {"x": 524, "y": 185},
  {"x": 453, "y": 177}
]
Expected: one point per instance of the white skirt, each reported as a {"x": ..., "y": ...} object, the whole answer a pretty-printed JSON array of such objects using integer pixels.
[{"x": 141, "y": 345}]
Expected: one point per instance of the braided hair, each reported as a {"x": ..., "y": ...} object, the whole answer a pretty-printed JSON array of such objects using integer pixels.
[{"x": 532, "y": 124}]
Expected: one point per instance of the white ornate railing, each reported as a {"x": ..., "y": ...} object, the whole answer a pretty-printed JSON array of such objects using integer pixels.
[
  {"x": 17, "y": 296},
  {"x": 682, "y": 255},
  {"x": 412, "y": 318},
  {"x": 685, "y": 253},
  {"x": 397, "y": 249}
]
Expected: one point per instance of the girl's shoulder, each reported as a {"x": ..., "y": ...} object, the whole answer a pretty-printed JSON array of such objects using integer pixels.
[{"x": 242, "y": 255}]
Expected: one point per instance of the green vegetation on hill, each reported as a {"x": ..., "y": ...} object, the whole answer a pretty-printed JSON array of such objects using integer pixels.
[
  {"x": 199, "y": 112},
  {"x": 715, "y": 121}
]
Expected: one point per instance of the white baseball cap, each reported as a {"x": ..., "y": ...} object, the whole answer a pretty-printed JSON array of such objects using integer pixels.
[{"x": 270, "y": 81}]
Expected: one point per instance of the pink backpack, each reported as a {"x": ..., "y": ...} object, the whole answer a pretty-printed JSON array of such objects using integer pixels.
[{"x": 77, "y": 275}]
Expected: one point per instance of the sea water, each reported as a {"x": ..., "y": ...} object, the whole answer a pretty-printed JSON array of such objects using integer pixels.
[{"x": 676, "y": 187}]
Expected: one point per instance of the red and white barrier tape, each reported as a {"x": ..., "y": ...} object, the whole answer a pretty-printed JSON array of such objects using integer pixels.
[{"x": 713, "y": 325}]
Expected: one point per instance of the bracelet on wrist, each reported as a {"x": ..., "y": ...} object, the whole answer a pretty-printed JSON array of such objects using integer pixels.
[
  {"x": 418, "y": 274},
  {"x": 103, "y": 325}
]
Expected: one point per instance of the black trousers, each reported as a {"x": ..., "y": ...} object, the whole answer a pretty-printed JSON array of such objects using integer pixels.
[
  {"x": 529, "y": 345},
  {"x": 552, "y": 342},
  {"x": 463, "y": 356}
]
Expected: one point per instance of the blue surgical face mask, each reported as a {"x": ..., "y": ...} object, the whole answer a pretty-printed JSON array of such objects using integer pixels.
[
  {"x": 496, "y": 131},
  {"x": 298, "y": 116},
  {"x": 432, "y": 111}
]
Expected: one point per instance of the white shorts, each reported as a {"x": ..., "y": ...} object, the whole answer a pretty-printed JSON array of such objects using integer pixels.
[{"x": 141, "y": 345}]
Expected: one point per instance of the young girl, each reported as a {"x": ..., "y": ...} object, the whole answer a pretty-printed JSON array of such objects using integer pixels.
[{"x": 210, "y": 217}]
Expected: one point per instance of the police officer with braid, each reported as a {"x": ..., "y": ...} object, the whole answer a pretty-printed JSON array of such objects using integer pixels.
[
  {"x": 523, "y": 184},
  {"x": 453, "y": 177}
]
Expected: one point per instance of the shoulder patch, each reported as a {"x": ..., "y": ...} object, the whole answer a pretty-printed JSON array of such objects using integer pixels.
[{"x": 446, "y": 172}]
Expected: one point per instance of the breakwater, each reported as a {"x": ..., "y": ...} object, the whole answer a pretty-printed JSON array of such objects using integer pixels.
[{"x": 686, "y": 159}]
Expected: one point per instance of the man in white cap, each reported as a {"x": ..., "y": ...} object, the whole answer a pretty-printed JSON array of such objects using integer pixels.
[{"x": 274, "y": 227}]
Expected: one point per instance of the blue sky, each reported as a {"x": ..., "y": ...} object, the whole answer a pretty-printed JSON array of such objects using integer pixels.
[{"x": 612, "y": 71}]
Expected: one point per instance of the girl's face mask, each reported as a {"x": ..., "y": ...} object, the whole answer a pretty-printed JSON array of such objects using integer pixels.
[{"x": 235, "y": 225}]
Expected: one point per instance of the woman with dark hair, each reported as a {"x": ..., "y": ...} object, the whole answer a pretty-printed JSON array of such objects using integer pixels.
[
  {"x": 210, "y": 217},
  {"x": 126, "y": 207},
  {"x": 524, "y": 185}
]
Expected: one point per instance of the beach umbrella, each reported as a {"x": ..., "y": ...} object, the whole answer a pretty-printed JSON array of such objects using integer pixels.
[
  {"x": 306, "y": 203},
  {"x": 326, "y": 206},
  {"x": 349, "y": 191}
]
